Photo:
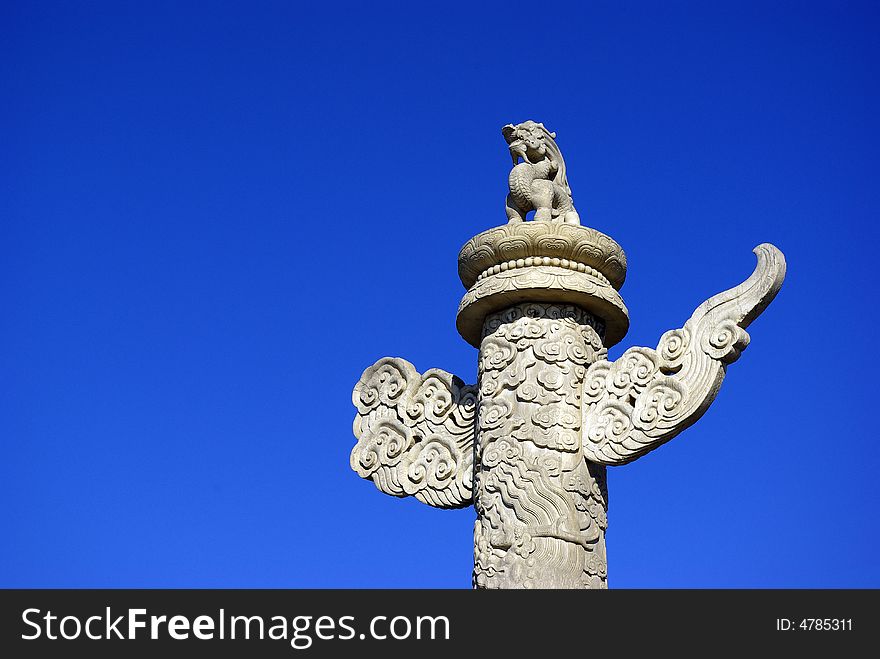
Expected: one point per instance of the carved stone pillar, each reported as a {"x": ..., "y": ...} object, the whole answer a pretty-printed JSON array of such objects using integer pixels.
[
  {"x": 541, "y": 508},
  {"x": 529, "y": 444}
]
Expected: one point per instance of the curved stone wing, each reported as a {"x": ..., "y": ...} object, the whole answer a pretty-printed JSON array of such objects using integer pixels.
[
  {"x": 646, "y": 397},
  {"x": 415, "y": 433}
]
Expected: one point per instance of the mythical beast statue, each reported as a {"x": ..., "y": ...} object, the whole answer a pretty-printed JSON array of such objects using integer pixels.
[{"x": 537, "y": 183}]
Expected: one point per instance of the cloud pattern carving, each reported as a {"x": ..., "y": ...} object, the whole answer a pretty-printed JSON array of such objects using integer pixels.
[{"x": 415, "y": 433}]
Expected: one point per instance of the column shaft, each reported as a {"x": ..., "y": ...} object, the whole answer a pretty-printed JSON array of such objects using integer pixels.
[{"x": 541, "y": 508}]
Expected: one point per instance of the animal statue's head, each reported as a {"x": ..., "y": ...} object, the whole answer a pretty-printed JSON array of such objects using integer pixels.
[
  {"x": 527, "y": 140},
  {"x": 531, "y": 142}
]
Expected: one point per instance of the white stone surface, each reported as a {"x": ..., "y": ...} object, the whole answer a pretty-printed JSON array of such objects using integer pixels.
[{"x": 529, "y": 444}]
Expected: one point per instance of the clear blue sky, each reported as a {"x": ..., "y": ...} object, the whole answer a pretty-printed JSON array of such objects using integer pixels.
[{"x": 214, "y": 216}]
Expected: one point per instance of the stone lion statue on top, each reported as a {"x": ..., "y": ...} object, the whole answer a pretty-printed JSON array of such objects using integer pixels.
[{"x": 537, "y": 181}]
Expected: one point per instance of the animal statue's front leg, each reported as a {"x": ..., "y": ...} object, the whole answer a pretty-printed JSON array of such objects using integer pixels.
[
  {"x": 542, "y": 200},
  {"x": 514, "y": 212}
]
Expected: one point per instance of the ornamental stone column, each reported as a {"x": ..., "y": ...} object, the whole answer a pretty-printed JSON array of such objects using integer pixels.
[{"x": 528, "y": 445}]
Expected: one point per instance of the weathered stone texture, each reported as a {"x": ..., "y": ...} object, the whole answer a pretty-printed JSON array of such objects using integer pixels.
[{"x": 529, "y": 444}]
